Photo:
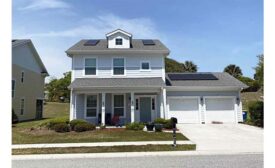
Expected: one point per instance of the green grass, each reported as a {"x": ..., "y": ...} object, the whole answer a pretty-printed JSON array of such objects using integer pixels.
[
  {"x": 23, "y": 134},
  {"x": 129, "y": 148}
]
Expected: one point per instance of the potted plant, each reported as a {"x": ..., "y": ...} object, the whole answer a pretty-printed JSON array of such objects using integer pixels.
[
  {"x": 150, "y": 126},
  {"x": 158, "y": 127}
]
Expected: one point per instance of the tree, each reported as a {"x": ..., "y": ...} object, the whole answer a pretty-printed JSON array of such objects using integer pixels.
[
  {"x": 233, "y": 70},
  {"x": 259, "y": 74},
  {"x": 58, "y": 88},
  {"x": 189, "y": 66}
]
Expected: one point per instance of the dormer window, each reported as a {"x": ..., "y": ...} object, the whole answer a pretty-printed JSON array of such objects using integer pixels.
[{"x": 119, "y": 41}]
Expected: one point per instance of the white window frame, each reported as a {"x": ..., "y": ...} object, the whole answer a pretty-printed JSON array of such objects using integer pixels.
[
  {"x": 22, "y": 78},
  {"x": 96, "y": 66},
  {"x": 85, "y": 106},
  {"x": 13, "y": 91},
  {"x": 116, "y": 66},
  {"x": 24, "y": 103},
  {"x": 141, "y": 62},
  {"x": 121, "y": 41},
  {"x": 124, "y": 103}
]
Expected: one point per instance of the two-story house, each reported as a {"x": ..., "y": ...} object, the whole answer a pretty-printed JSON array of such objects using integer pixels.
[
  {"x": 125, "y": 77},
  {"x": 28, "y": 76}
]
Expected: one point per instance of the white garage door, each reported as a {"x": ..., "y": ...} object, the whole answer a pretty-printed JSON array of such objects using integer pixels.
[
  {"x": 186, "y": 110},
  {"x": 220, "y": 109}
]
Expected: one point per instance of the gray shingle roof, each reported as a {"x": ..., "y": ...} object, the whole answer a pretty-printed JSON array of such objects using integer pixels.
[
  {"x": 136, "y": 46},
  {"x": 116, "y": 82},
  {"x": 224, "y": 80}
]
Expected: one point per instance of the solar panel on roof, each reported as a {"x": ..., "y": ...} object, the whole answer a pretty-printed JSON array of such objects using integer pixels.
[
  {"x": 91, "y": 43},
  {"x": 192, "y": 77},
  {"x": 148, "y": 42}
]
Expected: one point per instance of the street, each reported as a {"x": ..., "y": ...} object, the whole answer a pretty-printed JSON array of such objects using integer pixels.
[{"x": 191, "y": 161}]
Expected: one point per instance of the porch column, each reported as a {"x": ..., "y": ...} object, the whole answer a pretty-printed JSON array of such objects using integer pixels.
[
  {"x": 71, "y": 105},
  {"x": 103, "y": 108},
  {"x": 164, "y": 104},
  {"x": 161, "y": 104},
  {"x": 75, "y": 97},
  {"x": 132, "y": 108}
]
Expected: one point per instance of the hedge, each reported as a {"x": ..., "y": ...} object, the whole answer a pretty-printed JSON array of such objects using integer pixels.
[
  {"x": 81, "y": 127},
  {"x": 135, "y": 126},
  {"x": 256, "y": 113},
  {"x": 75, "y": 122}
]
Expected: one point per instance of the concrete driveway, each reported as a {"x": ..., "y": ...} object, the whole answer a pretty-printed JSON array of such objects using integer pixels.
[{"x": 224, "y": 137}]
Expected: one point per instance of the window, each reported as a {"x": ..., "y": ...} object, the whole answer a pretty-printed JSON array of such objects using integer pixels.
[
  {"x": 90, "y": 66},
  {"x": 22, "y": 76},
  {"x": 12, "y": 88},
  {"x": 137, "y": 104},
  {"x": 153, "y": 103},
  {"x": 91, "y": 106},
  {"x": 118, "y": 66},
  {"x": 145, "y": 65},
  {"x": 22, "y": 106},
  {"x": 119, "y": 41},
  {"x": 119, "y": 105}
]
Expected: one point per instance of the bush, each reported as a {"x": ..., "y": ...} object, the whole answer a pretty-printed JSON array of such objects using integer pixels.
[
  {"x": 61, "y": 127},
  {"x": 51, "y": 123},
  {"x": 14, "y": 118},
  {"x": 256, "y": 113},
  {"x": 76, "y": 121},
  {"x": 135, "y": 126},
  {"x": 166, "y": 123},
  {"x": 81, "y": 127},
  {"x": 158, "y": 127}
]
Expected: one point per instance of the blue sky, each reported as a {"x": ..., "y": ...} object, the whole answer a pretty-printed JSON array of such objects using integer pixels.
[{"x": 211, "y": 33}]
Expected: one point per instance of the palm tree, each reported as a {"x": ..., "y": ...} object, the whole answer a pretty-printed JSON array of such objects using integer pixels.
[
  {"x": 189, "y": 66},
  {"x": 233, "y": 70}
]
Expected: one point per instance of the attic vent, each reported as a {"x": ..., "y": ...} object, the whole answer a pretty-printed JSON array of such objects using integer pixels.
[
  {"x": 206, "y": 76},
  {"x": 91, "y": 43},
  {"x": 148, "y": 42}
]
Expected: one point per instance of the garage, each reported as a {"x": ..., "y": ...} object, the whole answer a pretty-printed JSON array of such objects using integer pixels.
[
  {"x": 220, "y": 109},
  {"x": 185, "y": 109}
]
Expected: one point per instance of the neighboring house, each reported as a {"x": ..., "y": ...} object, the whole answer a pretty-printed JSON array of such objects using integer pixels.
[
  {"x": 28, "y": 75},
  {"x": 125, "y": 77}
]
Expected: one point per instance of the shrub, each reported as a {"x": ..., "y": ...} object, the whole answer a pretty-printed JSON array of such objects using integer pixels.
[
  {"x": 81, "y": 127},
  {"x": 166, "y": 123},
  {"x": 158, "y": 127},
  {"x": 51, "y": 123},
  {"x": 76, "y": 121},
  {"x": 14, "y": 118},
  {"x": 256, "y": 113},
  {"x": 61, "y": 127},
  {"x": 135, "y": 126}
]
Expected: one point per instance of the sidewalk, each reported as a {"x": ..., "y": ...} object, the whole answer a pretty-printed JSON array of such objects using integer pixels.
[{"x": 65, "y": 145}]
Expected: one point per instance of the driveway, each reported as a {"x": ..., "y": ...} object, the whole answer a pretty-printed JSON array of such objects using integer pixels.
[{"x": 224, "y": 137}]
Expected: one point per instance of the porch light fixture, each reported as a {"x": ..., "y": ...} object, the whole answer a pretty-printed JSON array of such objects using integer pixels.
[
  {"x": 201, "y": 99},
  {"x": 237, "y": 99}
]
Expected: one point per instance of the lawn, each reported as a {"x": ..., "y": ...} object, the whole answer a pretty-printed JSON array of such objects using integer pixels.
[
  {"x": 30, "y": 132},
  {"x": 130, "y": 148}
]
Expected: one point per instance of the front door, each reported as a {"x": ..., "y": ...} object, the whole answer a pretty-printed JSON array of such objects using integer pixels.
[
  {"x": 39, "y": 109},
  {"x": 145, "y": 109}
]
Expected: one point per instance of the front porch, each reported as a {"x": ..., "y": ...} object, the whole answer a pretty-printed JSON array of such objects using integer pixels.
[{"x": 101, "y": 106}]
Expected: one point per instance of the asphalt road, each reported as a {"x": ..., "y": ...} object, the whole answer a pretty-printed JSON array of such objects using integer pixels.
[{"x": 195, "y": 161}]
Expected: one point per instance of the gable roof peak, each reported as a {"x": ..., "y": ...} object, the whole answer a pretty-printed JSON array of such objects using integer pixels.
[{"x": 119, "y": 30}]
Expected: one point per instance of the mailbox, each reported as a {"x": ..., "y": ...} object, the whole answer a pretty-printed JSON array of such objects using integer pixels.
[{"x": 174, "y": 122}]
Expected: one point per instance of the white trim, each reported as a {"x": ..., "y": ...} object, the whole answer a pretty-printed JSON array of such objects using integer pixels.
[
  {"x": 112, "y": 66},
  {"x": 85, "y": 105},
  {"x": 71, "y": 105},
  {"x": 186, "y": 97},
  {"x": 145, "y": 70},
  {"x": 214, "y": 97},
  {"x": 124, "y": 101},
  {"x": 118, "y": 31},
  {"x": 22, "y": 98},
  {"x": 96, "y": 68}
]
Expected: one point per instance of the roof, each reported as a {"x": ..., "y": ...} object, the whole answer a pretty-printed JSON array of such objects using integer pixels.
[
  {"x": 119, "y": 30},
  {"x": 19, "y": 42},
  {"x": 223, "y": 80},
  {"x": 102, "y": 47},
  {"x": 116, "y": 82}
]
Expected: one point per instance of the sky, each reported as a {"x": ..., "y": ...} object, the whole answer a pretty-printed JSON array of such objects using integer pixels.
[{"x": 211, "y": 33}]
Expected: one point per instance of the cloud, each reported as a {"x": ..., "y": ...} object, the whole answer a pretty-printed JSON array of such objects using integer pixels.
[
  {"x": 98, "y": 26},
  {"x": 46, "y": 4}
]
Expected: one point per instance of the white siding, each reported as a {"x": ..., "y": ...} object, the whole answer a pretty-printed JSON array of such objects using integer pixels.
[
  {"x": 112, "y": 41},
  {"x": 132, "y": 62}
]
